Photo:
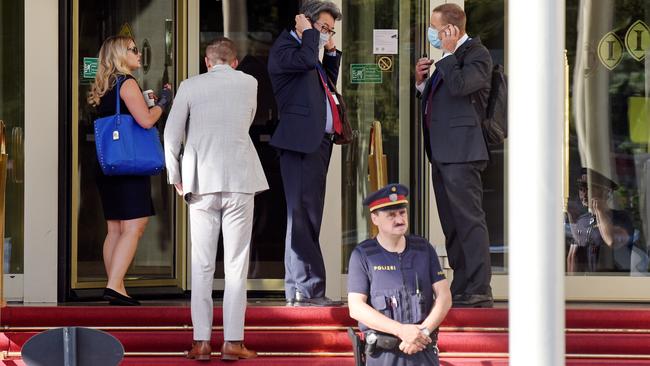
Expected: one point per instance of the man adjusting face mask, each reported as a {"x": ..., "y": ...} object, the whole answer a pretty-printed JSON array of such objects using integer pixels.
[
  {"x": 434, "y": 39},
  {"x": 324, "y": 38}
]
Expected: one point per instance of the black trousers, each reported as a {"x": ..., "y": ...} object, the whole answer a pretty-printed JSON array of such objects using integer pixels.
[
  {"x": 303, "y": 178},
  {"x": 459, "y": 196}
]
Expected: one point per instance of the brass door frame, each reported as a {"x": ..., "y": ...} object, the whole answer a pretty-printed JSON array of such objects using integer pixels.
[{"x": 180, "y": 227}]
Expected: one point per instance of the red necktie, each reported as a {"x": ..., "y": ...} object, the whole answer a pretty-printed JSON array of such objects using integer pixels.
[{"x": 336, "y": 120}]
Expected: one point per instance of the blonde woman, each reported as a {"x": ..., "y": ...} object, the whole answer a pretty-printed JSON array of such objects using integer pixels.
[{"x": 126, "y": 200}]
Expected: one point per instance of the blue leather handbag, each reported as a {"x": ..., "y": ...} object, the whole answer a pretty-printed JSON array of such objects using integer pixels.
[{"x": 124, "y": 147}]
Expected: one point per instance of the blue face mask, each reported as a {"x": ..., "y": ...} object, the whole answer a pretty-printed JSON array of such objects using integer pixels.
[{"x": 432, "y": 35}]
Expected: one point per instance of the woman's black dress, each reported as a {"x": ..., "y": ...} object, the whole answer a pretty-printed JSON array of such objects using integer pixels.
[{"x": 124, "y": 197}]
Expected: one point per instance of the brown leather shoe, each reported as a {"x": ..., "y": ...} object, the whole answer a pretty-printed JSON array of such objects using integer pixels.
[
  {"x": 233, "y": 351},
  {"x": 200, "y": 351}
]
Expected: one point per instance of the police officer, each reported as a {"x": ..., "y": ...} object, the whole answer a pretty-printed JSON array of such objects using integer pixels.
[
  {"x": 602, "y": 236},
  {"x": 396, "y": 288}
]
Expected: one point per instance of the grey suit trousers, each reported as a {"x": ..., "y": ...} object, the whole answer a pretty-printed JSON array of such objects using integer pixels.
[{"x": 208, "y": 213}]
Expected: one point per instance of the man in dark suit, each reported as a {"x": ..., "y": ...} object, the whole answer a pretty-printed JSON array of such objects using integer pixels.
[
  {"x": 308, "y": 121},
  {"x": 453, "y": 98}
]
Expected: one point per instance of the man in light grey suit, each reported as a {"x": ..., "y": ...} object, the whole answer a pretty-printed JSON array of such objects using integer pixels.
[{"x": 212, "y": 163}]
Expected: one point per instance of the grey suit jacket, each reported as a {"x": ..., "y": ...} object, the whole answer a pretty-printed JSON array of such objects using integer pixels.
[
  {"x": 207, "y": 145},
  {"x": 454, "y": 133}
]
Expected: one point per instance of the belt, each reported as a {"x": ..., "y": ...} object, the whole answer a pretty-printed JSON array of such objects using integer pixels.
[{"x": 377, "y": 342}]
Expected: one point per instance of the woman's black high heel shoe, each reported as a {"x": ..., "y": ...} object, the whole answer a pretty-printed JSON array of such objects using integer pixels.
[{"x": 115, "y": 298}]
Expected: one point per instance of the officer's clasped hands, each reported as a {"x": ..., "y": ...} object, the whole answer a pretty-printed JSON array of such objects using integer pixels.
[{"x": 413, "y": 340}]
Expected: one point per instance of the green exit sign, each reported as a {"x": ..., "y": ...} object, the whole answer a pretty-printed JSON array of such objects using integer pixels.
[
  {"x": 365, "y": 73},
  {"x": 90, "y": 67}
]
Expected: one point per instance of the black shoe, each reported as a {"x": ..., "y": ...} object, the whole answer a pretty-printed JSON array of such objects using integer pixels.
[
  {"x": 457, "y": 297},
  {"x": 115, "y": 298},
  {"x": 472, "y": 301},
  {"x": 300, "y": 300}
]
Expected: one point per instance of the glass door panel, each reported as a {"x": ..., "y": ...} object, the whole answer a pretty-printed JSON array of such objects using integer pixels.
[
  {"x": 608, "y": 211},
  {"x": 12, "y": 112},
  {"x": 486, "y": 19},
  {"x": 385, "y": 94},
  {"x": 151, "y": 23},
  {"x": 254, "y": 26}
]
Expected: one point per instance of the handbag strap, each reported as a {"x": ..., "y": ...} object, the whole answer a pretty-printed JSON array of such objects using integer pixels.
[{"x": 117, "y": 97}]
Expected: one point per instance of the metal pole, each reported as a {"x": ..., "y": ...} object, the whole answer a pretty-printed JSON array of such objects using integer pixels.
[
  {"x": 70, "y": 346},
  {"x": 536, "y": 33}
]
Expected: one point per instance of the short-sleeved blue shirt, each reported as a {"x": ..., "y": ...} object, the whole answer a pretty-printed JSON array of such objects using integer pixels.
[{"x": 399, "y": 285}]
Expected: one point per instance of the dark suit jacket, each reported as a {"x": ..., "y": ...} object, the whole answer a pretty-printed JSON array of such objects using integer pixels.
[
  {"x": 298, "y": 90},
  {"x": 455, "y": 134}
]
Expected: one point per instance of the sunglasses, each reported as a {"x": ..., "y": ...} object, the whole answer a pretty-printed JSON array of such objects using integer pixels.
[{"x": 134, "y": 50}]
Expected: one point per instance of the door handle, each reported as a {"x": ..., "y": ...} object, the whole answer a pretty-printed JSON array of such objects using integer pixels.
[
  {"x": 3, "y": 144},
  {"x": 565, "y": 136},
  {"x": 18, "y": 155}
]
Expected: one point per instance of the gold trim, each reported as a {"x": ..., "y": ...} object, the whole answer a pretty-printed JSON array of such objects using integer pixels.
[
  {"x": 179, "y": 14},
  {"x": 604, "y": 355},
  {"x": 4, "y": 158},
  {"x": 76, "y": 192},
  {"x": 321, "y": 328},
  {"x": 255, "y": 284},
  {"x": 608, "y": 330},
  {"x": 389, "y": 204},
  {"x": 216, "y": 354},
  {"x": 474, "y": 355},
  {"x": 565, "y": 150},
  {"x": 181, "y": 328},
  {"x": 14, "y": 354},
  {"x": 180, "y": 212},
  {"x": 81, "y": 285}
]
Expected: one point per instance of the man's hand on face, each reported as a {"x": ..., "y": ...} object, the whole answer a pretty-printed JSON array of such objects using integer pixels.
[
  {"x": 599, "y": 205},
  {"x": 302, "y": 23},
  {"x": 450, "y": 36},
  {"x": 330, "y": 46},
  {"x": 422, "y": 70}
]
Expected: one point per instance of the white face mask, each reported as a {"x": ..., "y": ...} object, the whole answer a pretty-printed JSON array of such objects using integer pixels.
[{"x": 322, "y": 41}]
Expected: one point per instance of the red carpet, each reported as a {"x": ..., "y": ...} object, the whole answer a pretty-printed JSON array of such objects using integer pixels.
[{"x": 316, "y": 336}]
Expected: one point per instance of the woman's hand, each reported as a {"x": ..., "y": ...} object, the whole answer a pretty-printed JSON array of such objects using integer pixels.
[
  {"x": 165, "y": 96},
  {"x": 179, "y": 188}
]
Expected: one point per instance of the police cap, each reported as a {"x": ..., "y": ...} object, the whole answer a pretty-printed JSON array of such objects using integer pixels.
[
  {"x": 592, "y": 177},
  {"x": 392, "y": 196}
]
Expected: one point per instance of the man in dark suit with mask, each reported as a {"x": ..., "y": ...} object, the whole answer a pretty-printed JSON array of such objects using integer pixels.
[
  {"x": 309, "y": 118},
  {"x": 453, "y": 99}
]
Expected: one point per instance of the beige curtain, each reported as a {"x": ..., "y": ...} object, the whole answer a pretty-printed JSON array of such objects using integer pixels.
[
  {"x": 591, "y": 109},
  {"x": 3, "y": 186}
]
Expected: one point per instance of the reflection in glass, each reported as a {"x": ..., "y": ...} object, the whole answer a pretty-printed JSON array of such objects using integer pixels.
[
  {"x": 146, "y": 21},
  {"x": 607, "y": 224},
  {"x": 12, "y": 112},
  {"x": 254, "y": 26},
  {"x": 486, "y": 19},
  {"x": 389, "y": 102}
]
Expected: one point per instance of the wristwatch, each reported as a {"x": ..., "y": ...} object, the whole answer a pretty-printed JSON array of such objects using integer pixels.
[{"x": 425, "y": 331}]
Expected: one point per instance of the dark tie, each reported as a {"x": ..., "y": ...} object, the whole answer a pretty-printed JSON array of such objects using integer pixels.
[{"x": 428, "y": 110}]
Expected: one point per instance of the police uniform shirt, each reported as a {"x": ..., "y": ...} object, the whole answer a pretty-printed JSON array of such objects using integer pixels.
[
  {"x": 399, "y": 285},
  {"x": 593, "y": 253}
]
